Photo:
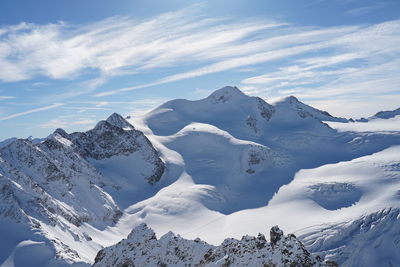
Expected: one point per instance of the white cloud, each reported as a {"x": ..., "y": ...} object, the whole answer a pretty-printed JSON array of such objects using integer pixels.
[
  {"x": 355, "y": 106},
  {"x": 101, "y": 104},
  {"x": 359, "y": 11},
  {"x": 6, "y": 97},
  {"x": 311, "y": 62},
  {"x": 31, "y": 111},
  {"x": 115, "y": 44},
  {"x": 355, "y": 67},
  {"x": 365, "y": 46},
  {"x": 61, "y": 122}
]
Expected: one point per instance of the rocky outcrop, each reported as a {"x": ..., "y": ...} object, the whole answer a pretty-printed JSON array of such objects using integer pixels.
[
  {"x": 114, "y": 137},
  {"x": 57, "y": 179},
  {"x": 49, "y": 181},
  {"x": 55, "y": 183},
  {"x": 141, "y": 248}
]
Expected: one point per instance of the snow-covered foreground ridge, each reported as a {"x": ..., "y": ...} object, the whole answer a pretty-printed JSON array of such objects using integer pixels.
[
  {"x": 141, "y": 248},
  {"x": 221, "y": 167}
]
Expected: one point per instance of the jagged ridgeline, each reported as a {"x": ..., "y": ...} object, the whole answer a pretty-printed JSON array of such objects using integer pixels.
[
  {"x": 224, "y": 166},
  {"x": 142, "y": 248}
]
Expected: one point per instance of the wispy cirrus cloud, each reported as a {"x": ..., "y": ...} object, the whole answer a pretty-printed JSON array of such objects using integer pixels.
[
  {"x": 312, "y": 62},
  {"x": 115, "y": 45},
  {"x": 362, "y": 64},
  {"x": 6, "y": 97},
  {"x": 19, "y": 114},
  {"x": 359, "y": 11},
  {"x": 63, "y": 122},
  {"x": 348, "y": 47},
  {"x": 251, "y": 53}
]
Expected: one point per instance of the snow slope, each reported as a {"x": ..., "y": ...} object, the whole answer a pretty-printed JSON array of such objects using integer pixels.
[
  {"x": 263, "y": 144},
  {"x": 296, "y": 139},
  {"x": 225, "y": 166}
]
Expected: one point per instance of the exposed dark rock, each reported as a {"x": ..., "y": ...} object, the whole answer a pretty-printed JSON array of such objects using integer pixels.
[
  {"x": 141, "y": 248},
  {"x": 275, "y": 234}
]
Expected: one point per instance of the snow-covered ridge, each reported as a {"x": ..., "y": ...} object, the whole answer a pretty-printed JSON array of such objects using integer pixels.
[
  {"x": 224, "y": 108},
  {"x": 286, "y": 136},
  {"x": 225, "y": 166},
  {"x": 305, "y": 110},
  {"x": 387, "y": 114},
  {"x": 55, "y": 184},
  {"x": 142, "y": 248}
]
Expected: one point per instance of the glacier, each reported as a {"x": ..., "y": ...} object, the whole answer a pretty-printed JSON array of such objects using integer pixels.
[{"x": 225, "y": 166}]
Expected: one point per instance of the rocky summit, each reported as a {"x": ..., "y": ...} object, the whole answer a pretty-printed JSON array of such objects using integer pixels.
[{"x": 142, "y": 248}]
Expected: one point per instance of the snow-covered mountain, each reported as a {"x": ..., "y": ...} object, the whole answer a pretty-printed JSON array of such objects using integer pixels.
[
  {"x": 387, "y": 114},
  {"x": 294, "y": 103},
  {"x": 231, "y": 110},
  {"x": 221, "y": 167},
  {"x": 54, "y": 186},
  {"x": 382, "y": 121},
  {"x": 267, "y": 144}
]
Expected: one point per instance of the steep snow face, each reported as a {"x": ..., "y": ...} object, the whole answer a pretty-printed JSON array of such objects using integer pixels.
[
  {"x": 56, "y": 186},
  {"x": 141, "y": 248}
]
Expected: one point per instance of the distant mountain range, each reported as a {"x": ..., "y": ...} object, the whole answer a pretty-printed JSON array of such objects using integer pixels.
[{"x": 226, "y": 166}]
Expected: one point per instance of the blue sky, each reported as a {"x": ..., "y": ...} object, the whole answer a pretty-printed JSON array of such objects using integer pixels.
[{"x": 70, "y": 63}]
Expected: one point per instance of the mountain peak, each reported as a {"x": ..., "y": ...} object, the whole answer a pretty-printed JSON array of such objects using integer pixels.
[
  {"x": 290, "y": 100},
  {"x": 118, "y": 121},
  {"x": 61, "y": 132},
  {"x": 304, "y": 110},
  {"x": 225, "y": 94}
]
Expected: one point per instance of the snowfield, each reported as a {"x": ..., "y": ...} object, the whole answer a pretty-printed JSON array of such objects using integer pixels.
[{"x": 222, "y": 167}]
